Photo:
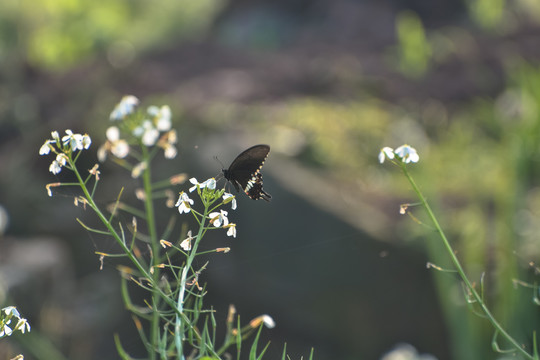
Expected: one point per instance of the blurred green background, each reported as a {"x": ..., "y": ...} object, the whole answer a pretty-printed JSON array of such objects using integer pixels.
[{"x": 326, "y": 84}]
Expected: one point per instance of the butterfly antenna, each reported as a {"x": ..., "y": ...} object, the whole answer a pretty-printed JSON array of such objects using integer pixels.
[
  {"x": 220, "y": 163},
  {"x": 220, "y": 175}
]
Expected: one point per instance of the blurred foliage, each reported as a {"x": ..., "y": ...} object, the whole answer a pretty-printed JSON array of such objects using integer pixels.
[
  {"x": 414, "y": 49},
  {"x": 488, "y": 13},
  {"x": 59, "y": 34},
  {"x": 478, "y": 154},
  {"x": 479, "y": 163}
]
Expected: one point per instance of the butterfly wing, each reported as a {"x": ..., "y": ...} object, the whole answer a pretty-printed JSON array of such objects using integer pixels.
[{"x": 245, "y": 172}]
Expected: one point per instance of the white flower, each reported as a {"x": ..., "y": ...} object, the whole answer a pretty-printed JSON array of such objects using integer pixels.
[
  {"x": 124, "y": 108},
  {"x": 386, "y": 152},
  {"x": 118, "y": 147},
  {"x": 210, "y": 184},
  {"x": 407, "y": 154},
  {"x": 194, "y": 182},
  {"x": 45, "y": 149},
  {"x": 55, "y": 167},
  {"x": 232, "y": 230},
  {"x": 61, "y": 159},
  {"x": 11, "y": 311},
  {"x": 112, "y": 133},
  {"x": 147, "y": 132},
  {"x": 86, "y": 141},
  {"x": 6, "y": 330},
  {"x": 55, "y": 136},
  {"x": 184, "y": 203},
  {"x": 162, "y": 117},
  {"x": 170, "y": 151},
  {"x": 22, "y": 325},
  {"x": 186, "y": 244},
  {"x": 75, "y": 141},
  {"x": 230, "y": 198},
  {"x": 268, "y": 321},
  {"x": 218, "y": 218}
]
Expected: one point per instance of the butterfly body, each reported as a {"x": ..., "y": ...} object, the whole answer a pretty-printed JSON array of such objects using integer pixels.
[{"x": 245, "y": 172}]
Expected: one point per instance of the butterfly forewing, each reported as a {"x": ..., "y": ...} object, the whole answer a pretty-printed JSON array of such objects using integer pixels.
[{"x": 245, "y": 172}]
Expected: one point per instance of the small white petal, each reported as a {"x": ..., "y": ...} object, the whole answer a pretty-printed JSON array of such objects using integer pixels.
[
  {"x": 215, "y": 219},
  {"x": 55, "y": 167},
  {"x": 186, "y": 244},
  {"x": 6, "y": 330},
  {"x": 226, "y": 199},
  {"x": 61, "y": 159},
  {"x": 120, "y": 149},
  {"x": 194, "y": 182},
  {"x": 184, "y": 203},
  {"x": 170, "y": 151},
  {"x": 163, "y": 122},
  {"x": 218, "y": 218},
  {"x": 232, "y": 230},
  {"x": 407, "y": 154},
  {"x": 55, "y": 136},
  {"x": 210, "y": 184},
  {"x": 11, "y": 310},
  {"x": 150, "y": 135},
  {"x": 112, "y": 133},
  {"x": 268, "y": 321},
  {"x": 22, "y": 326},
  {"x": 125, "y": 107},
  {"x": 45, "y": 149},
  {"x": 86, "y": 141},
  {"x": 386, "y": 152}
]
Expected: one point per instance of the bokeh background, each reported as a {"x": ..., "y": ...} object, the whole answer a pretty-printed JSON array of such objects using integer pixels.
[{"x": 326, "y": 84}]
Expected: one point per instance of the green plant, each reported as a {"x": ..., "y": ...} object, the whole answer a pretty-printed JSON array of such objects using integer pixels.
[
  {"x": 179, "y": 327},
  {"x": 475, "y": 298}
]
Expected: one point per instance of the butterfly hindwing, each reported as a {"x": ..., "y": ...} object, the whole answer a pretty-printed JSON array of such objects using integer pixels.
[{"x": 245, "y": 172}]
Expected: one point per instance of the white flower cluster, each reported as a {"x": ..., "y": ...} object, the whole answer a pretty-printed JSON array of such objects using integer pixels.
[
  {"x": 69, "y": 143},
  {"x": 405, "y": 153},
  {"x": 154, "y": 128},
  {"x": 217, "y": 219},
  {"x": 7, "y": 315}
]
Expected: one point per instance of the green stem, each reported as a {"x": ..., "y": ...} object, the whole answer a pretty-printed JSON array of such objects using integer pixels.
[
  {"x": 153, "y": 278},
  {"x": 107, "y": 224},
  {"x": 151, "y": 223},
  {"x": 460, "y": 270},
  {"x": 179, "y": 325}
]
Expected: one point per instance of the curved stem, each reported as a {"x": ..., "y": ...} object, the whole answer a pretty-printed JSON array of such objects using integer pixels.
[
  {"x": 179, "y": 326},
  {"x": 460, "y": 270},
  {"x": 107, "y": 224}
]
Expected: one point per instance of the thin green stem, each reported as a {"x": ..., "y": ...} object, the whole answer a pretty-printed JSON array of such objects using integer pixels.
[
  {"x": 460, "y": 270},
  {"x": 107, "y": 224},
  {"x": 179, "y": 326},
  {"x": 151, "y": 223}
]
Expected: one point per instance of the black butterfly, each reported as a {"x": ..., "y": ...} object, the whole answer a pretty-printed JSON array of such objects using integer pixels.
[{"x": 245, "y": 172}]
